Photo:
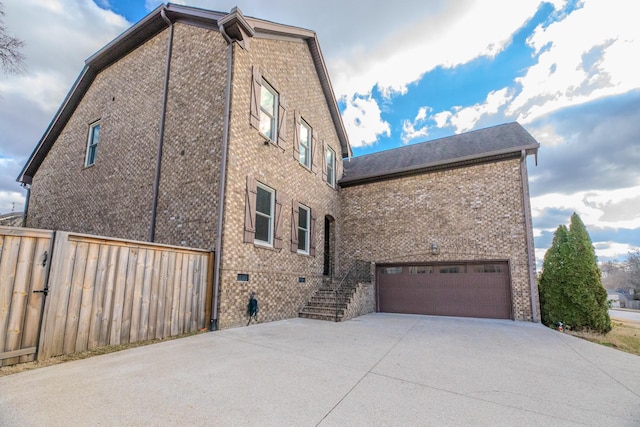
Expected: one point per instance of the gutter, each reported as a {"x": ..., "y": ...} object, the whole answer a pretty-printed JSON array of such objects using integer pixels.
[
  {"x": 223, "y": 178},
  {"x": 163, "y": 114},
  {"x": 529, "y": 234}
]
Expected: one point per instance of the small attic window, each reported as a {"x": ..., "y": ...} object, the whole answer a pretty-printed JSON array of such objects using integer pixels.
[{"x": 92, "y": 144}]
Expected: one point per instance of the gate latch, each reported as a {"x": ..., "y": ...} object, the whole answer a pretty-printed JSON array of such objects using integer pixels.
[{"x": 44, "y": 291}]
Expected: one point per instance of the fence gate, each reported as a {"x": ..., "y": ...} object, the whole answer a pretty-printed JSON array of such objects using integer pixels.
[{"x": 24, "y": 262}]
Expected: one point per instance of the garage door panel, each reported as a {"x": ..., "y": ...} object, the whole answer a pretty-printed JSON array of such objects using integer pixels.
[{"x": 468, "y": 290}]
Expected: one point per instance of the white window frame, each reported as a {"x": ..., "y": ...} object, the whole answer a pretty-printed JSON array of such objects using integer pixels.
[
  {"x": 305, "y": 229},
  {"x": 92, "y": 144},
  {"x": 270, "y": 215},
  {"x": 331, "y": 166},
  {"x": 308, "y": 149},
  {"x": 273, "y": 118}
]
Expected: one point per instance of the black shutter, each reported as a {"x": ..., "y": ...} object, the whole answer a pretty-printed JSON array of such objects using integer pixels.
[
  {"x": 282, "y": 122},
  {"x": 277, "y": 232},
  {"x": 250, "y": 210},
  {"x": 294, "y": 226},
  {"x": 296, "y": 136},
  {"x": 256, "y": 87},
  {"x": 312, "y": 234},
  {"x": 324, "y": 161}
]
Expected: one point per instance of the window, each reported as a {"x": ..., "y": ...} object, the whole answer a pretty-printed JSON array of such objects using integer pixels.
[
  {"x": 305, "y": 144},
  {"x": 421, "y": 269},
  {"x": 331, "y": 167},
  {"x": 92, "y": 144},
  {"x": 268, "y": 111},
  {"x": 453, "y": 269},
  {"x": 264, "y": 214},
  {"x": 487, "y": 268},
  {"x": 392, "y": 270},
  {"x": 303, "y": 229}
]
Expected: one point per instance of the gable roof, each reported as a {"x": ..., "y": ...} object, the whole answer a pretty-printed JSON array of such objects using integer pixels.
[
  {"x": 150, "y": 26},
  {"x": 479, "y": 146}
]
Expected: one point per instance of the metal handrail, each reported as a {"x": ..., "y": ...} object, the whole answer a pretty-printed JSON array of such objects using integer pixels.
[{"x": 355, "y": 265}]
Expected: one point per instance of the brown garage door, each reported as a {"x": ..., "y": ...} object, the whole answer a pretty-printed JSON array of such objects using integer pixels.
[{"x": 457, "y": 289}]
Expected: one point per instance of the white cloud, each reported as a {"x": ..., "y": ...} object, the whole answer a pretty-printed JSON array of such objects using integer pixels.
[
  {"x": 546, "y": 134},
  {"x": 581, "y": 58},
  {"x": 363, "y": 121},
  {"x": 409, "y": 130},
  {"x": 453, "y": 34},
  {"x": 593, "y": 206},
  {"x": 464, "y": 119},
  {"x": 59, "y": 35},
  {"x": 612, "y": 250}
]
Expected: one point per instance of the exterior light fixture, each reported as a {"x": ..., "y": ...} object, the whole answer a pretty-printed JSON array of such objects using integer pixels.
[{"x": 435, "y": 250}]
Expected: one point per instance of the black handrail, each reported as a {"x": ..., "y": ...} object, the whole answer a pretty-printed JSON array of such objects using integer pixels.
[{"x": 363, "y": 274}]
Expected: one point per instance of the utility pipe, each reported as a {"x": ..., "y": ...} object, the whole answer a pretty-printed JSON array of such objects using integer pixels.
[
  {"x": 156, "y": 181},
  {"x": 529, "y": 233},
  {"x": 223, "y": 177}
]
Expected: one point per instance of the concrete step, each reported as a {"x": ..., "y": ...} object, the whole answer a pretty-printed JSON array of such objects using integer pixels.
[{"x": 317, "y": 316}]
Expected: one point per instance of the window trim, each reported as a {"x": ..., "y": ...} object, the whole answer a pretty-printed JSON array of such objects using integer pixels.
[
  {"x": 264, "y": 85},
  {"x": 307, "y": 230},
  {"x": 271, "y": 216},
  {"x": 309, "y": 147},
  {"x": 331, "y": 178},
  {"x": 92, "y": 144}
]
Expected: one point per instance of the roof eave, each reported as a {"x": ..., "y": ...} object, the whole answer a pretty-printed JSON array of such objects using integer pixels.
[
  {"x": 512, "y": 152},
  {"x": 61, "y": 117},
  {"x": 272, "y": 28},
  {"x": 145, "y": 29}
]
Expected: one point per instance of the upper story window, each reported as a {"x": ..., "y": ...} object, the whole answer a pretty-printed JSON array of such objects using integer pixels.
[
  {"x": 331, "y": 166},
  {"x": 305, "y": 144},
  {"x": 268, "y": 111},
  {"x": 303, "y": 229},
  {"x": 264, "y": 215},
  {"x": 92, "y": 144}
]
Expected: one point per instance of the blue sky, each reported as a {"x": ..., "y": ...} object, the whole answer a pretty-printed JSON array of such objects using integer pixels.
[{"x": 406, "y": 72}]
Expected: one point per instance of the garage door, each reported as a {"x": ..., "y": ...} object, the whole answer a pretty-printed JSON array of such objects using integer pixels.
[{"x": 459, "y": 289}]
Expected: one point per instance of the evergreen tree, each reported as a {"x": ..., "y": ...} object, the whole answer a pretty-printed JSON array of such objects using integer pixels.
[
  {"x": 571, "y": 288},
  {"x": 553, "y": 280}
]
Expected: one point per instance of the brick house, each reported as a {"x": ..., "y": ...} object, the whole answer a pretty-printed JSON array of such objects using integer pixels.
[{"x": 220, "y": 131}]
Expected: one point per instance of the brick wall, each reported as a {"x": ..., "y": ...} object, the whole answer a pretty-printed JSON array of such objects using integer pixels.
[
  {"x": 188, "y": 193},
  {"x": 472, "y": 213},
  {"x": 67, "y": 196},
  {"x": 113, "y": 197},
  {"x": 274, "y": 274}
]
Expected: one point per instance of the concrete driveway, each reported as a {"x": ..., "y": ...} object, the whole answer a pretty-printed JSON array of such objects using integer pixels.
[{"x": 379, "y": 369}]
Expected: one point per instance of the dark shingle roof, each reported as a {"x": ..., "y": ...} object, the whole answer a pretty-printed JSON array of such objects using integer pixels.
[{"x": 507, "y": 140}]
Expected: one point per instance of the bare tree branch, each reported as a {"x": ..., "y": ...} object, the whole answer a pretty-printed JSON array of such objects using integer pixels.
[{"x": 11, "y": 59}]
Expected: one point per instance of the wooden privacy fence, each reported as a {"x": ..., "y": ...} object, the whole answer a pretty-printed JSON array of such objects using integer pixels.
[
  {"x": 23, "y": 271},
  {"x": 101, "y": 291}
]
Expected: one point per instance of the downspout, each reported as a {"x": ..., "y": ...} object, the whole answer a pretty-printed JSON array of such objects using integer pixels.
[
  {"x": 26, "y": 205},
  {"x": 529, "y": 233},
  {"x": 223, "y": 178},
  {"x": 156, "y": 181}
]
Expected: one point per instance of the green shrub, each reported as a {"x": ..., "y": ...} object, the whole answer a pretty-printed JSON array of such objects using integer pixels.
[{"x": 570, "y": 285}]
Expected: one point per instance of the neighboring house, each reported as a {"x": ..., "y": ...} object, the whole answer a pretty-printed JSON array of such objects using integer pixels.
[
  {"x": 222, "y": 132},
  {"x": 13, "y": 219}
]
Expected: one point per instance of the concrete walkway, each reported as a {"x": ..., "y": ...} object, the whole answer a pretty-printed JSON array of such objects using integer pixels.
[{"x": 379, "y": 369}]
